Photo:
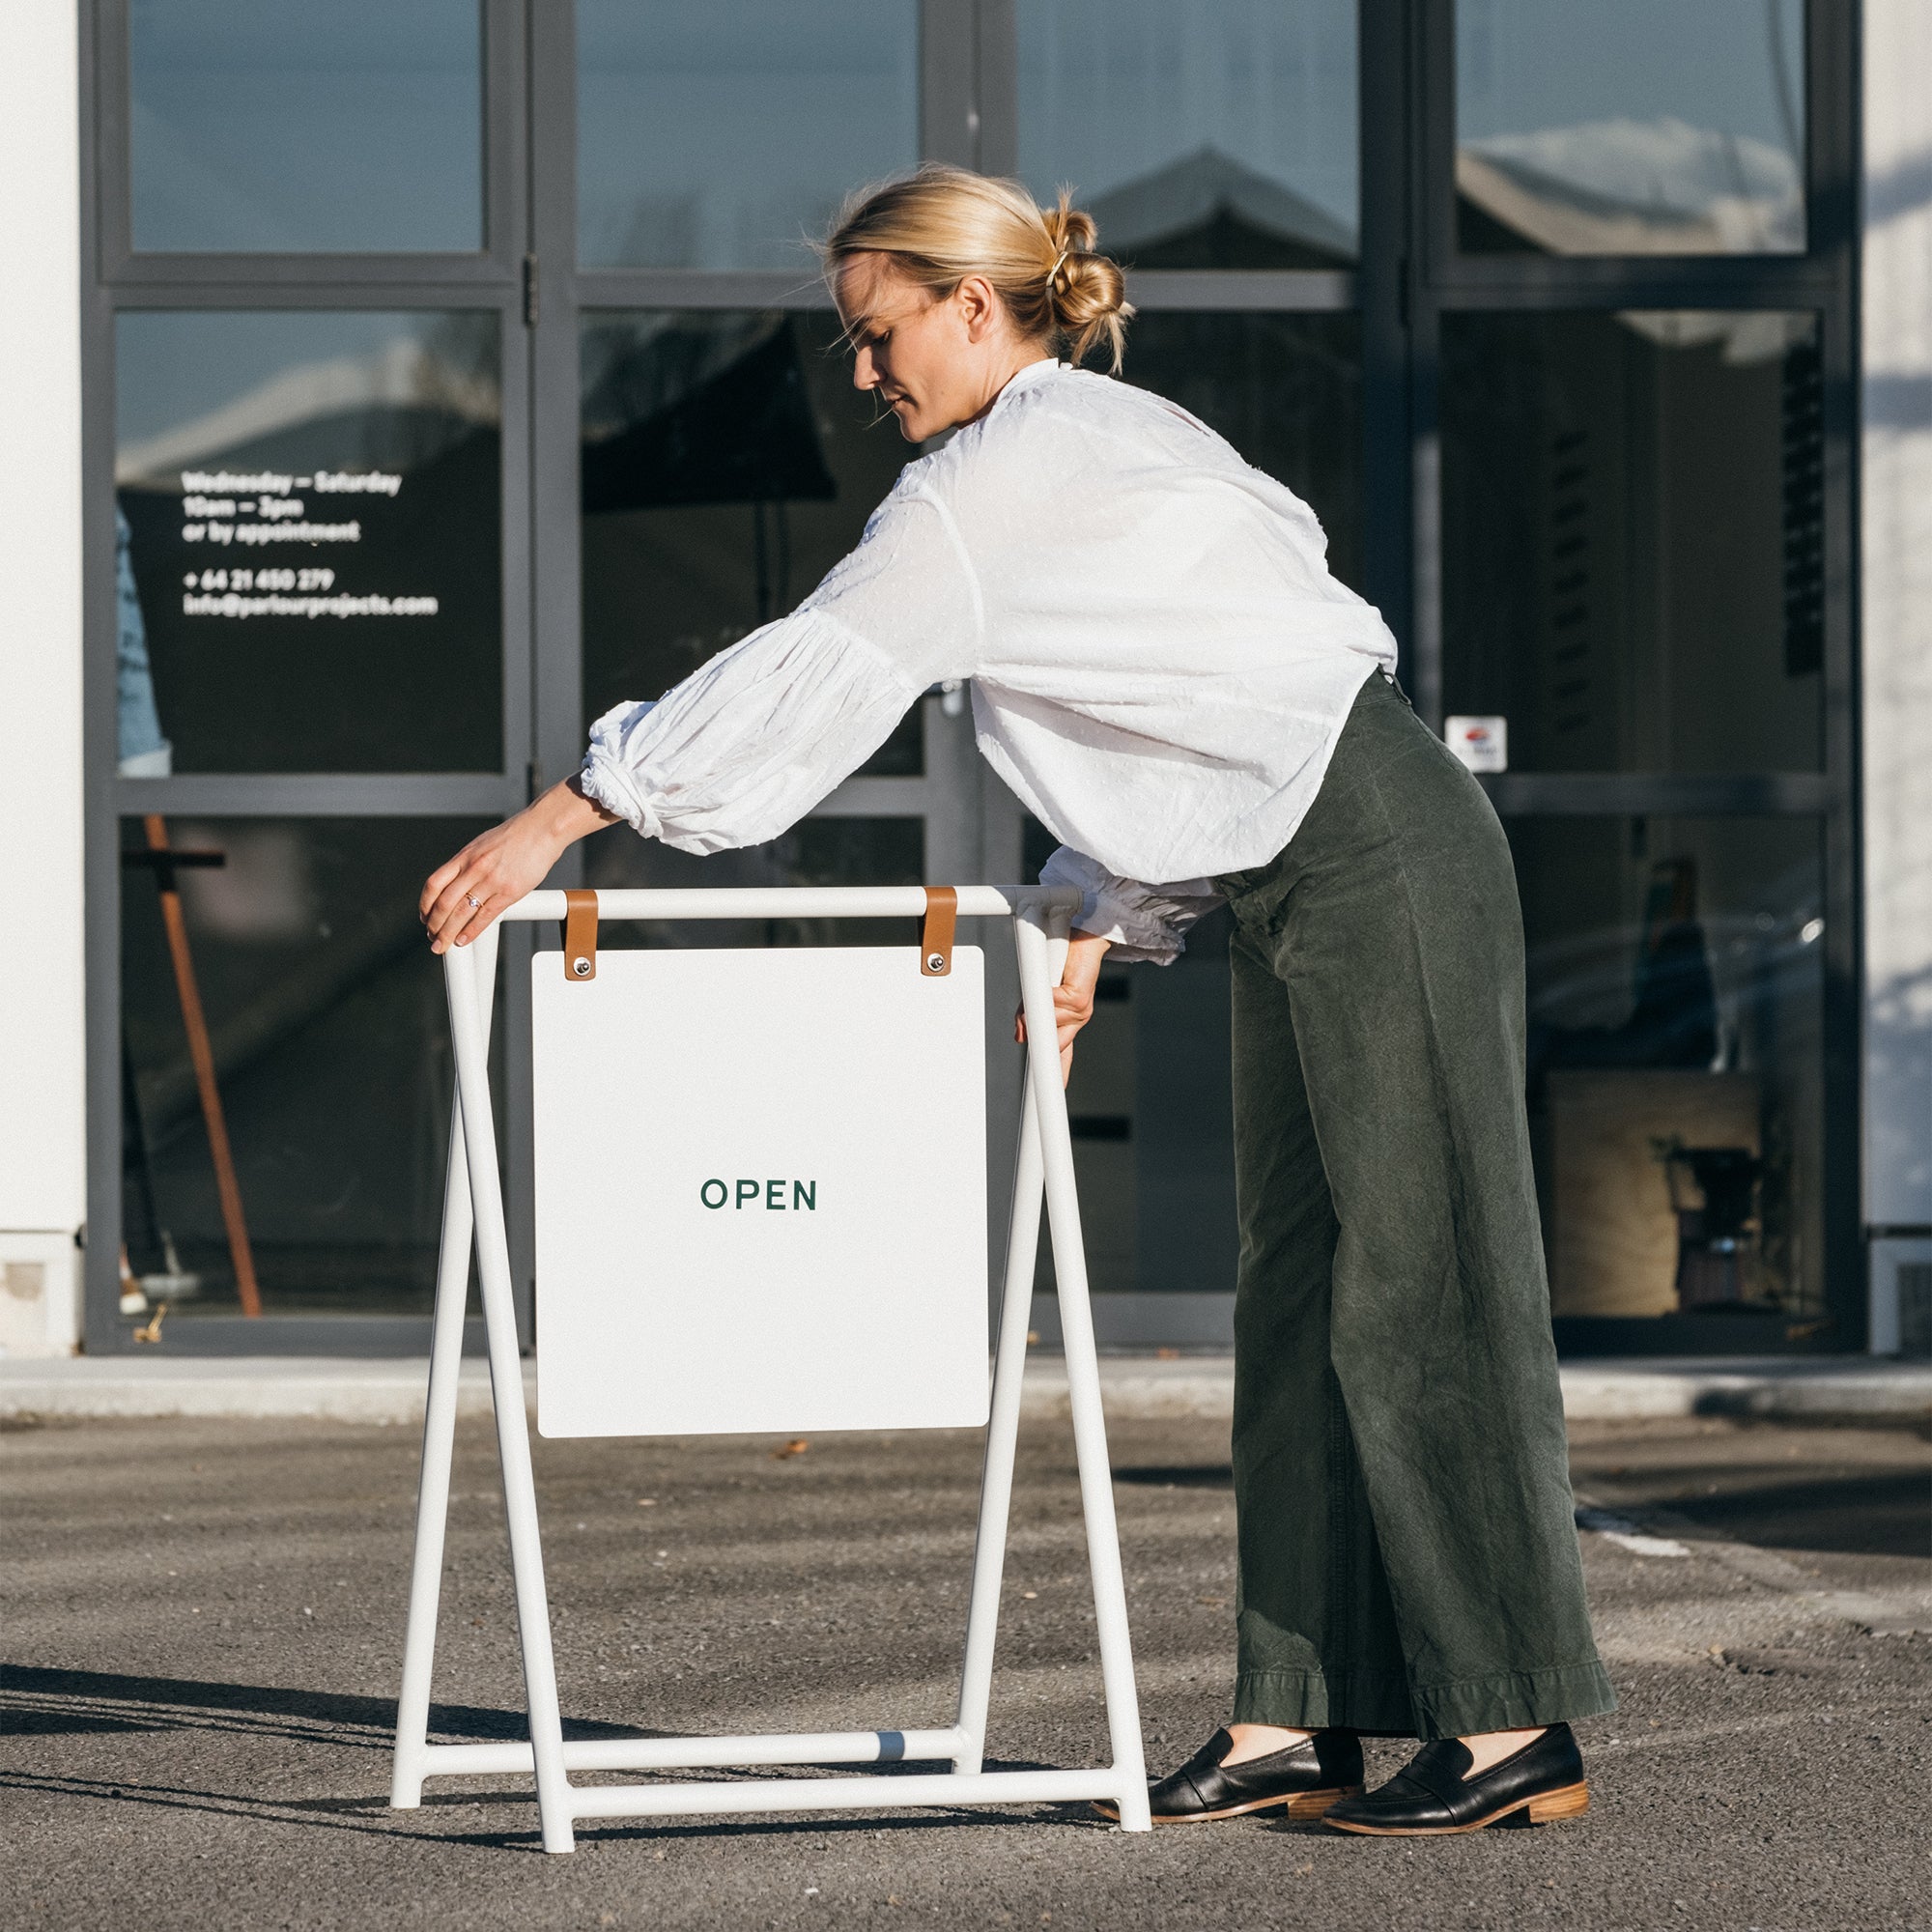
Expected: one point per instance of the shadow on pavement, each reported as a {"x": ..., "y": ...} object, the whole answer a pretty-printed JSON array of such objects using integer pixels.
[
  {"x": 40, "y": 1701},
  {"x": 1183, "y": 1476},
  {"x": 1887, "y": 1515}
]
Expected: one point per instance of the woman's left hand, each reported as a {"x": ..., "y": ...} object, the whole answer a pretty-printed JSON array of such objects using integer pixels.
[{"x": 1073, "y": 997}]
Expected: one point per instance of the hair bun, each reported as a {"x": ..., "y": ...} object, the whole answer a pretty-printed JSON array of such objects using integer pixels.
[
  {"x": 1085, "y": 290},
  {"x": 1070, "y": 229}
]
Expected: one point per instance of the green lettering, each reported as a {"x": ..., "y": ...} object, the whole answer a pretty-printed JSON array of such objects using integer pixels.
[
  {"x": 704, "y": 1193},
  {"x": 748, "y": 1190},
  {"x": 805, "y": 1193},
  {"x": 775, "y": 1194}
]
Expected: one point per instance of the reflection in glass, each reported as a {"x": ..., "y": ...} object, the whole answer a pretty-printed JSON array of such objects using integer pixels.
[
  {"x": 283, "y": 125},
  {"x": 1633, "y": 538},
  {"x": 1285, "y": 389},
  {"x": 1152, "y": 1112},
  {"x": 1676, "y": 1062},
  {"x": 1213, "y": 134},
  {"x": 327, "y": 1023},
  {"x": 724, "y": 135},
  {"x": 729, "y": 464},
  {"x": 822, "y": 851},
  {"x": 314, "y": 512},
  {"x": 1649, "y": 128}
]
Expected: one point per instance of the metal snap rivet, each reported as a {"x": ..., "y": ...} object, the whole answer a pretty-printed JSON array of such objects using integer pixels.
[
  {"x": 582, "y": 968},
  {"x": 935, "y": 963}
]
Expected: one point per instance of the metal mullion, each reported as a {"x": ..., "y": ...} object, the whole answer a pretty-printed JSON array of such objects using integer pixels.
[
  {"x": 949, "y": 113},
  {"x": 555, "y": 741},
  {"x": 368, "y": 1337},
  {"x": 1433, "y": 104},
  {"x": 1304, "y": 290},
  {"x": 1660, "y": 794},
  {"x": 105, "y": 145},
  {"x": 321, "y": 794},
  {"x": 700, "y": 289},
  {"x": 505, "y": 135},
  {"x": 997, "y": 86},
  {"x": 499, "y": 109},
  {"x": 1633, "y": 281},
  {"x": 1428, "y": 102},
  {"x": 1384, "y": 138},
  {"x": 277, "y": 271},
  {"x": 869, "y": 797},
  {"x": 374, "y": 296},
  {"x": 100, "y": 1272},
  {"x": 1832, "y": 165}
]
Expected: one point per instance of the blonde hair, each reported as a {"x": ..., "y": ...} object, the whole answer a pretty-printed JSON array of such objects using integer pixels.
[{"x": 944, "y": 223}]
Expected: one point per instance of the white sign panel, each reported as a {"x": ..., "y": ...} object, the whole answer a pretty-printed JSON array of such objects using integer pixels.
[{"x": 761, "y": 1192}]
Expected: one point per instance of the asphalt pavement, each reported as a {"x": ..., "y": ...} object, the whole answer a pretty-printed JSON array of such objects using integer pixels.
[{"x": 203, "y": 1622}]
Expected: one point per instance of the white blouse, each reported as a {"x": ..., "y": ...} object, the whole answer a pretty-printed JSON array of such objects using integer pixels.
[{"x": 1161, "y": 660}]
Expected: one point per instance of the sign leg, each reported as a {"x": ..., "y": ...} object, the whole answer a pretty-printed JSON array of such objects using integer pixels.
[
  {"x": 466, "y": 966},
  {"x": 1083, "y": 1372},
  {"x": 1003, "y": 1424},
  {"x": 445, "y": 1361}
]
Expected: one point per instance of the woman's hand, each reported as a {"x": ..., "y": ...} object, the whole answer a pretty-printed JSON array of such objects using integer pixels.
[
  {"x": 1073, "y": 997},
  {"x": 498, "y": 866}
]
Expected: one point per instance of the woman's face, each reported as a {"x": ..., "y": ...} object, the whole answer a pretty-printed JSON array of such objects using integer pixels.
[{"x": 936, "y": 360}]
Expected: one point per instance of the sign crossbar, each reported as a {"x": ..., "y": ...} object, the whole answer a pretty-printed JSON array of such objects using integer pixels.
[{"x": 473, "y": 1224}]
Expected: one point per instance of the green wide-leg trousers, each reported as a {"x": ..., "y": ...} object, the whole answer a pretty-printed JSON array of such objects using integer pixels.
[{"x": 1408, "y": 1558}]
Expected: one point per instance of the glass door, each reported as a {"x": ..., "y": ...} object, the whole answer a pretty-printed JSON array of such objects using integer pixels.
[
  {"x": 1632, "y": 350},
  {"x": 308, "y": 642}
]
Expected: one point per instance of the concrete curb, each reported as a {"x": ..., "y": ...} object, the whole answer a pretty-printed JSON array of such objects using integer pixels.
[{"x": 1135, "y": 1387}]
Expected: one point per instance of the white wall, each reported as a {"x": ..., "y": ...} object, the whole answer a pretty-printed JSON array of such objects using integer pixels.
[
  {"x": 1897, "y": 635},
  {"x": 42, "y": 1170}
]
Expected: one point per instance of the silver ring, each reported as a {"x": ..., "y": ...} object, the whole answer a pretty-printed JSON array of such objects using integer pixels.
[{"x": 477, "y": 903}]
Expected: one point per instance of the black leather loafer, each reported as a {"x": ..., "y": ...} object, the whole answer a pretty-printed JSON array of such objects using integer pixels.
[
  {"x": 1432, "y": 1794},
  {"x": 1303, "y": 1781}
]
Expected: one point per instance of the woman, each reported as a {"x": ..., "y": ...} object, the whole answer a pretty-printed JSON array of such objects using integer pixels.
[{"x": 1167, "y": 675}]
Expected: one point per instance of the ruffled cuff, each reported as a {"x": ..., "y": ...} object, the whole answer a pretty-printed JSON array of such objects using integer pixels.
[
  {"x": 608, "y": 779},
  {"x": 1142, "y": 921}
]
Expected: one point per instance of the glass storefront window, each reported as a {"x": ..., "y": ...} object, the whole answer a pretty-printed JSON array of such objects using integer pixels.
[
  {"x": 725, "y": 136},
  {"x": 1212, "y": 135},
  {"x": 310, "y": 560},
  {"x": 276, "y": 124},
  {"x": 1633, "y": 538},
  {"x": 1150, "y": 1103},
  {"x": 1647, "y": 128},
  {"x": 729, "y": 464},
  {"x": 327, "y": 1023},
  {"x": 1151, "y": 1110},
  {"x": 819, "y": 851},
  {"x": 1285, "y": 389},
  {"x": 1676, "y": 1064}
]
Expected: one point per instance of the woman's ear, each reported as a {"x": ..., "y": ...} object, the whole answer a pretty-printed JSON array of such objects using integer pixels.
[{"x": 979, "y": 307}]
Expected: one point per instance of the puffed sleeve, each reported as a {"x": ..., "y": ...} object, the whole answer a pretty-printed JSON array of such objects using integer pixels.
[
  {"x": 745, "y": 747},
  {"x": 1144, "y": 922}
]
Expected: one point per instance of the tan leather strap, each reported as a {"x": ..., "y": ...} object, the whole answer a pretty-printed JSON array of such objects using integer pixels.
[
  {"x": 935, "y": 933},
  {"x": 580, "y": 935}
]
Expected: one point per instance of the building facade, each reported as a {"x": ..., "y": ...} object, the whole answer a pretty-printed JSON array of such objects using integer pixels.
[{"x": 395, "y": 388}]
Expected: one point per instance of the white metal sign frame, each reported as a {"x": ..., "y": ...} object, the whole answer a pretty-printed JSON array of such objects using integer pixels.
[{"x": 474, "y": 1219}]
